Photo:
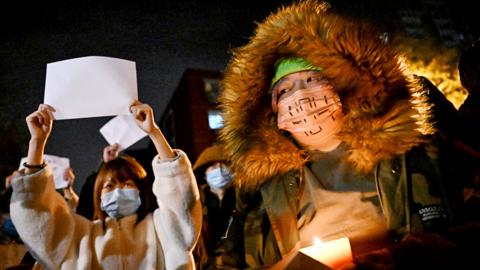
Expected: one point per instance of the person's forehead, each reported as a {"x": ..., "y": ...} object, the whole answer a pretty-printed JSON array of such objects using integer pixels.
[
  {"x": 110, "y": 177},
  {"x": 214, "y": 165},
  {"x": 299, "y": 75}
]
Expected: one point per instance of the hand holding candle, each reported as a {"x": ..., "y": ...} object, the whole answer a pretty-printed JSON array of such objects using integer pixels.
[{"x": 331, "y": 253}]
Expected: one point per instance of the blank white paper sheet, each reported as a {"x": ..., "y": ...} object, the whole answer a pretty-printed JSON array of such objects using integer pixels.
[
  {"x": 122, "y": 130},
  {"x": 91, "y": 86}
]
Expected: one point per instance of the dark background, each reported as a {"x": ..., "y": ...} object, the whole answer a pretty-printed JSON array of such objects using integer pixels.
[{"x": 164, "y": 38}]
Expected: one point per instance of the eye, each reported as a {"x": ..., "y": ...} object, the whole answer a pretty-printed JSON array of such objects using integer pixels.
[
  {"x": 130, "y": 184},
  {"x": 108, "y": 186},
  {"x": 283, "y": 91},
  {"x": 313, "y": 79}
]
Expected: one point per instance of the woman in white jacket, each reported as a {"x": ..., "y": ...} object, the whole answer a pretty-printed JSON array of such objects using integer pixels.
[{"x": 124, "y": 236}]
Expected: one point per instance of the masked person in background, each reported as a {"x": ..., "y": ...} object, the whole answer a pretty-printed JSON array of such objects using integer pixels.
[
  {"x": 124, "y": 235},
  {"x": 328, "y": 137},
  {"x": 85, "y": 204},
  {"x": 218, "y": 200}
]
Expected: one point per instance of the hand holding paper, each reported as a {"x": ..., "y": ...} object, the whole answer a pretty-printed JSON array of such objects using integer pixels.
[
  {"x": 111, "y": 152},
  {"x": 143, "y": 115},
  {"x": 125, "y": 130},
  {"x": 69, "y": 176},
  {"x": 122, "y": 130}
]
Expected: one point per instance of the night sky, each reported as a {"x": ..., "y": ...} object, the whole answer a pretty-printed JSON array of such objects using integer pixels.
[{"x": 163, "y": 37}]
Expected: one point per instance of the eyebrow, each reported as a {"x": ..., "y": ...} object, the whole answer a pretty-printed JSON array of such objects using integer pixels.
[{"x": 108, "y": 181}]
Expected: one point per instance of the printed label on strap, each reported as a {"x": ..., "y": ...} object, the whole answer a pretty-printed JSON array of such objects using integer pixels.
[{"x": 432, "y": 212}]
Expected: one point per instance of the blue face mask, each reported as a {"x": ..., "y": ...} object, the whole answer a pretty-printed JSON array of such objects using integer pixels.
[
  {"x": 218, "y": 178},
  {"x": 121, "y": 202}
]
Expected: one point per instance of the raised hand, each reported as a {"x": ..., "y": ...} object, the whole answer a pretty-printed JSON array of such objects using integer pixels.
[
  {"x": 143, "y": 114},
  {"x": 111, "y": 152},
  {"x": 69, "y": 176},
  {"x": 40, "y": 122},
  {"x": 40, "y": 126}
]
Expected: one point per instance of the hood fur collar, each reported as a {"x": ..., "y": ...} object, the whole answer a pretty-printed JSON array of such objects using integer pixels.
[{"x": 385, "y": 112}]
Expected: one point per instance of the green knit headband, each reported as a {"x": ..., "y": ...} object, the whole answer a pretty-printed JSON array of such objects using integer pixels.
[{"x": 286, "y": 66}]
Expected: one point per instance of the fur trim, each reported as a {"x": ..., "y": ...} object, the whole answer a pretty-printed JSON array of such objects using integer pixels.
[{"x": 385, "y": 113}]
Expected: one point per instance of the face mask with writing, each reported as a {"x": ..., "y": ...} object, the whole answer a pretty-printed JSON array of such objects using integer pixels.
[
  {"x": 313, "y": 116},
  {"x": 219, "y": 177},
  {"x": 121, "y": 202}
]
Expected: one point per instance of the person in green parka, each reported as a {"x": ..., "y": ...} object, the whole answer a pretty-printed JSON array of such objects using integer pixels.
[{"x": 329, "y": 137}]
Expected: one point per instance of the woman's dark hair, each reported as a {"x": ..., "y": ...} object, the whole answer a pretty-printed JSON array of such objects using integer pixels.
[{"x": 123, "y": 168}]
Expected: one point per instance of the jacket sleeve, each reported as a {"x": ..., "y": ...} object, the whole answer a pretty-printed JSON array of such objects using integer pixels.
[
  {"x": 42, "y": 218},
  {"x": 178, "y": 218}
]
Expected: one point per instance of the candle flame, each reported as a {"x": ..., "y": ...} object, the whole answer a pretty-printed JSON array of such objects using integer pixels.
[{"x": 333, "y": 253}]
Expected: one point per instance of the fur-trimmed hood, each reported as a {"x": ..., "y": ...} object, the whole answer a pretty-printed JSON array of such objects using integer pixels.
[{"x": 385, "y": 112}]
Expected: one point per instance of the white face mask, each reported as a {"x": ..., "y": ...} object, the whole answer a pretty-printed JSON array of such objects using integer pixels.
[
  {"x": 313, "y": 116},
  {"x": 121, "y": 202},
  {"x": 218, "y": 178}
]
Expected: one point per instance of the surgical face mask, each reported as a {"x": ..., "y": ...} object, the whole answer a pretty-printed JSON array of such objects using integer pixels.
[
  {"x": 218, "y": 178},
  {"x": 313, "y": 116},
  {"x": 121, "y": 202}
]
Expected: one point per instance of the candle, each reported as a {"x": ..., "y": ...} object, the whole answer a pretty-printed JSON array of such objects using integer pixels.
[{"x": 331, "y": 253}]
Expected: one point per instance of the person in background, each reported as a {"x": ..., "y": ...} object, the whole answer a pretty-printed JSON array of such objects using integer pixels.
[
  {"x": 85, "y": 205},
  {"x": 124, "y": 234},
  {"x": 8, "y": 233},
  {"x": 469, "y": 111},
  {"x": 329, "y": 137},
  {"x": 218, "y": 200},
  {"x": 468, "y": 129},
  {"x": 459, "y": 133}
]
